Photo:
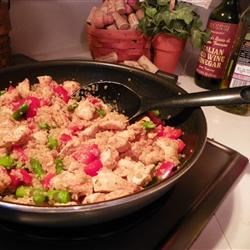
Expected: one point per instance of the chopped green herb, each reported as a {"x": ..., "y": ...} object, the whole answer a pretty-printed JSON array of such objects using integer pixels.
[
  {"x": 59, "y": 165},
  {"x": 148, "y": 125},
  {"x": 2, "y": 92},
  {"x": 23, "y": 191},
  {"x": 52, "y": 143},
  {"x": 7, "y": 161},
  {"x": 20, "y": 112},
  {"x": 44, "y": 126},
  {"x": 101, "y": 112},
  {"x": 39, "y": 196},
  {"x": 36, "y": 167},
  {"x": 72, "y": 107},
  {"x": 156, "y": 112},
  {"x": 60, "y": 196}
]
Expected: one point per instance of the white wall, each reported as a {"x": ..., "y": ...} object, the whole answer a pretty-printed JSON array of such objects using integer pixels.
[
  {"x": 54, "y": 29},
  {"x": 50, "y": 29}
]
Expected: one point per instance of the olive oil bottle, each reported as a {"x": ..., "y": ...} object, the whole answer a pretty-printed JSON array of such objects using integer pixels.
[
  {"x": 223, "y": 23},
  {"x": 238, "y": 68}
]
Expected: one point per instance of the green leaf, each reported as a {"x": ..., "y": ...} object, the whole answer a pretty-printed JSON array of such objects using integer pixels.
[
  {"x": 151, "y": 11},
  {"x": 182, "y": 22},
  {"x": 185, "y": 14},
  {"x": 198, "y": 38},
  {"x": 163, "y": 2}
]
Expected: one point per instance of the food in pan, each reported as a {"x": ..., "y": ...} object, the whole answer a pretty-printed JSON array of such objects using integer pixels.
[{"x": 59, "y": 150}]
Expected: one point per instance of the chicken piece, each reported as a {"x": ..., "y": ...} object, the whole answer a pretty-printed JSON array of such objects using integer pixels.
[
  {"x": 170, "y": 149},
  {"x": 5, "y": 180},
  {"x": 71, "y": 86},
  {"x": 9, "y": 97},
  {"x": 90, "y": 131},
  {"x": 109, "y": 158},
  {"x": 95, "y": 197},
  {"x": 23, "y": 88},
  {"x": 43, "y": 154},
  {"x": 13, "y": 134},
  {"x": 44, "y": 80},
  {"x": 119, "y": 193},
  {"x": 40, "y": 137},
  {"x": 113, "y": 121},
  {"x": 76, "y": 183},
  {"x": 44, "y": 88},
  {"x": 3, "y": 151},
  {"x": 136, "y": 172},
  {"x": 102, "y": 138},
  {"x": 85, "y": 110},
  {"x": 107, "y": 181},
  {"x": 54, "y": 116},
  {"x": 152, "y": 154},
  {"x": 120, "y": 141}
]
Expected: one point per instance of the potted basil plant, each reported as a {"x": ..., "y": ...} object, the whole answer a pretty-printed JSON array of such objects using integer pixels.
[{"x": 170, "y": 25}]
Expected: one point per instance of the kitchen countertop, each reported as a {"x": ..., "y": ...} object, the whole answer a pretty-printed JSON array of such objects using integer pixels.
[{"x": 230, "y": 225}]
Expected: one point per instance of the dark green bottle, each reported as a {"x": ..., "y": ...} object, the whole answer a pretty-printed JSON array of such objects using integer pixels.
[
  {"x": 223, "y": 24},
  {"x": 237, "y": 72}
]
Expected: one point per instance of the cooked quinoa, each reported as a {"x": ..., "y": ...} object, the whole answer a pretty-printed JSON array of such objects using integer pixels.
[{"x": 56, "y": 150}]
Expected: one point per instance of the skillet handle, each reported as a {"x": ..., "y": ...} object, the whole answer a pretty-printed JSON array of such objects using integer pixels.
[
  {"x": 238, "y": 95},
  {"x": 168, "y": 76}
]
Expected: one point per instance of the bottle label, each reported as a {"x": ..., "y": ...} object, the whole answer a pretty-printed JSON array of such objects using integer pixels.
[
  {"x": 241, "y": 74},
  {"x": 213, "y": 56}
]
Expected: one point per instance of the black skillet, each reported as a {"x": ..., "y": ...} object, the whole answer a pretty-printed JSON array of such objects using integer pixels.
[{"x": 191, "y": 120}]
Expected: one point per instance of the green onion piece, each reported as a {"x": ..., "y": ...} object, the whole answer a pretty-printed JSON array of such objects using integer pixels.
[
  {"x": 2, "y": 92},
  {"x": 20, "y": 112},
  {"x": 44, "y": 126},
  {"x": 101, "y": 112},
  {"x": 36, "y": 167},
  {"x": 72, "y": 107},
  {"x": 51, "y": 194},
  {"x": 7, "y": 161},
  {"x": 52, "y": 143},
  {"x": 156, "y": 112},
  {"x": 23, "y": 191},
  {"x": 59, "y": 165},
  {"x": 148, "y": 125},
  {"x": 60, "y": 196},
  {"x": 39, "y": 196}
]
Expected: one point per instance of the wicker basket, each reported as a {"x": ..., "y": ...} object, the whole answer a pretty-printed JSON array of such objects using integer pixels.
[{"x": 128, "y": 44}]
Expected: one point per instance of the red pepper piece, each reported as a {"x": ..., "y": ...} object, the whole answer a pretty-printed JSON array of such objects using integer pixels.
[
  {"x": 61, "y": 92},
  {"x": 87, "y": 154},
  {"x": 164, "y": 170},
  {"x": 64, "y": 138},
  {"x": 93, "y": 167},
  {"x": 46, "y": 180}
]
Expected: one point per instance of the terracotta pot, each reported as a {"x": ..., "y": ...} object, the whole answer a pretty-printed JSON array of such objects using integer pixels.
[{"x": 167, "y": 51}]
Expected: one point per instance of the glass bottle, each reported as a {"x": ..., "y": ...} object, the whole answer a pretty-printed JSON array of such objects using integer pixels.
[
  {"x": 237, "y": 72},
  {"x": 223, "y": 23}
]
